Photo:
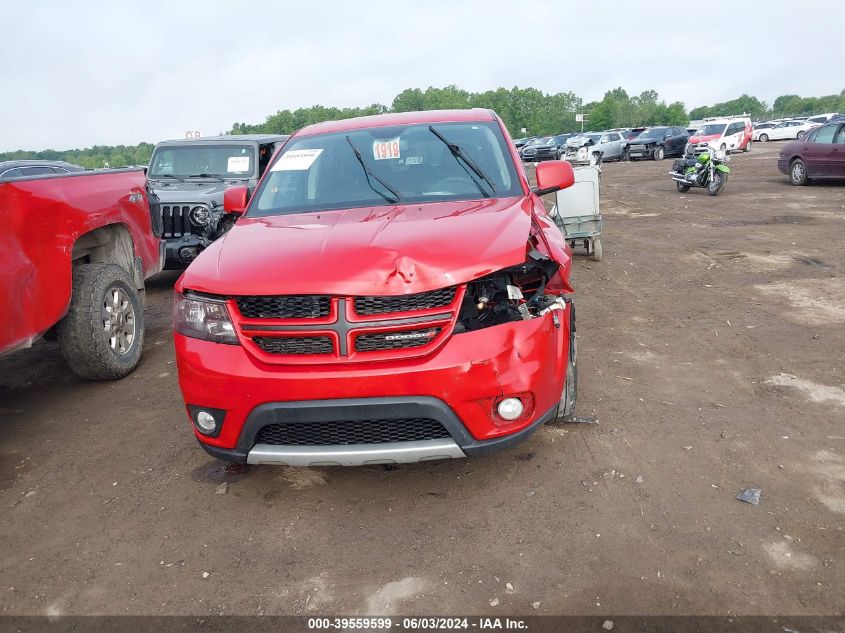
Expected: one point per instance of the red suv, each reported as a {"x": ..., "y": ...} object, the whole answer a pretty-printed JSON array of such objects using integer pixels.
[{"x": 392, "y": 292}]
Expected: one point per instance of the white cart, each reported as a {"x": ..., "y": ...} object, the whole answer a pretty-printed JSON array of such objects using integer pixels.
[{"x": 576, "y": 211}]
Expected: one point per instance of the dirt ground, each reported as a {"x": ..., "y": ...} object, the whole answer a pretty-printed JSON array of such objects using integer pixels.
[{"x": 711, "y": 344}]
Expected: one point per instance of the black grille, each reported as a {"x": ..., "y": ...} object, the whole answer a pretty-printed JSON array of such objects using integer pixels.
[
  {"x": 351, "y": 432},
  {"x": 295, "y": 345},
  {"x": 394, "y": 340},
  {"x": 405, "y": 303},
  {"x": 176, "y": 220},
  {"x": 284, "y": 307}
]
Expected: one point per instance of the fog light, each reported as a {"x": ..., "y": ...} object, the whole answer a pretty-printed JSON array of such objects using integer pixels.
[
  {"x": 206, "y": 422},
  {"x": 510, "y": 409}
]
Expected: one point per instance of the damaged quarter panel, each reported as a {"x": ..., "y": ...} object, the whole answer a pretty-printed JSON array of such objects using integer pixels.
[{"x": 394, "y": 292}]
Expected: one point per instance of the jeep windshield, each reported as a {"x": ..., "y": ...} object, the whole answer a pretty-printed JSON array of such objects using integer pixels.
[
  {"x": 195, "y": 160},
  {"x": 383, "y": 166}
]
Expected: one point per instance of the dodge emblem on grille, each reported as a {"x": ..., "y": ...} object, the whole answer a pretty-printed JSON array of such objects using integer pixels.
[{"x": 410, "y": 335}]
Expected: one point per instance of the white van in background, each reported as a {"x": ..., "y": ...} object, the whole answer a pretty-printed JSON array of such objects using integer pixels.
[{"x": 731, "y": 134}]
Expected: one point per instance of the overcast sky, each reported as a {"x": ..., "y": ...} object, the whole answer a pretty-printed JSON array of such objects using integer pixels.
[{"x": 75, "y": 74}]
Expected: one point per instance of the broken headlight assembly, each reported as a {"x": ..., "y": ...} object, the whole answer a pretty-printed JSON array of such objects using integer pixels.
[{"x": 517, "y": 293}]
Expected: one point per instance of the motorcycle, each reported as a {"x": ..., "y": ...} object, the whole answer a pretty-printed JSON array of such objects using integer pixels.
[{"x": 707, "y": 170}]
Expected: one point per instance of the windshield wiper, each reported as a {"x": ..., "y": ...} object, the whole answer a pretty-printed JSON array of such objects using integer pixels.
[
  {"x": 168, "y": 176},
  {"x": 367, "y": 173},
  {"x": 206, "y": 176},
  {"x": 460, "y": 155}
]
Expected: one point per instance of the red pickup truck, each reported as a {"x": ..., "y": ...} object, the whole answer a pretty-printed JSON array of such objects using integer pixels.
[
  {"x": 394, "y": 292},
  {"x": 75, "y": 250}
]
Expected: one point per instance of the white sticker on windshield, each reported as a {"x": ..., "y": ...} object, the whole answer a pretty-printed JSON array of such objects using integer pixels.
[
  {"x": 296, "y": 160},
  {"x": 237, "y": 164},
  {"x": 385, "y": 150}
]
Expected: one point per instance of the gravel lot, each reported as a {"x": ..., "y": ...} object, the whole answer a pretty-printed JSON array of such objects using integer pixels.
[{"x": 711, "y": 349}]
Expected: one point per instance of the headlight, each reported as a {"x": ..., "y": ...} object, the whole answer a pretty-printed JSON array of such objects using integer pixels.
[
  {"x": 200, "y": 216},
  {"x": 720, "y": 155},
  {"x": 203, "y": 318}
]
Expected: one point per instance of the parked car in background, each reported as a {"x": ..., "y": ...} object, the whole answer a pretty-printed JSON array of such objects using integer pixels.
[
  {"x": 822, "y": 118},
  {"x": 729, "y": 134},
  {"x": 819, "y": 155},
  {"x": 527, "y": 153},
  {"x": 23, "y": 168},
  {"x": 633, "y": 133},
  {"x": 336, "y": 323},
  {"x": 519, "y": 143},
  {"x": 658, "y": 142},
  {"x": 77, "y": 248},
  {"x": 610, "y": 145},
  {"x": 551, "y": 149},
  {"x": 759, "y": 128},
  {"x": 787, "y": 130},
  {"x": 189, "y": 177}
]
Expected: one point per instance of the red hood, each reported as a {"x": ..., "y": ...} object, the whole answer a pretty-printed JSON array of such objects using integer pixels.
[
  {"x": 372, "y": 250},
  {"x": 703, "y": 138}
]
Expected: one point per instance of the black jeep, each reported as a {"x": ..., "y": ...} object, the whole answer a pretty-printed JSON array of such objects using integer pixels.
[{"x": 189, "y": 177}]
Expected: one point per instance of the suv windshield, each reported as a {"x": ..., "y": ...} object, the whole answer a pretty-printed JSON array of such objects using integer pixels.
[
  {"x": 182, "y": 161},
  {"x": 409, "y": 164},
  {"x": 655, "y": 133},
  {"x": 713, "y": 128}
]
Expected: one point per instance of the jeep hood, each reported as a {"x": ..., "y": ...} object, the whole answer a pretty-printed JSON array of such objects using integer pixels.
[
  {"x": 373, "y": 250},
  {"x": 192, "y": 190}
]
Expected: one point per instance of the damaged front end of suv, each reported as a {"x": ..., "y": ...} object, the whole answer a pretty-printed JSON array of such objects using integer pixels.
[{"x": 425, "y": 314}]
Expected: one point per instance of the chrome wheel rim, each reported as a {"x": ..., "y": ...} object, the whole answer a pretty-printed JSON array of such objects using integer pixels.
[
  {"x": 118, "y": 317},
  {"x": 797, "y": 172}
]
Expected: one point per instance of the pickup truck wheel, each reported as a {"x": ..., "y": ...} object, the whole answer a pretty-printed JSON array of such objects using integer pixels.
[{"x": 103, "y": 332}]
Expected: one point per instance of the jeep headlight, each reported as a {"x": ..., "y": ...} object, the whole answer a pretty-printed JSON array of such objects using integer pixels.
[{"x": 200, "y": 215}]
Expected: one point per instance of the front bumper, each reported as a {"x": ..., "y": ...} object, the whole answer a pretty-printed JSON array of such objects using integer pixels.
[
  {"x": 640, "y": 151},
  {"x": 783, "y": 165},
  {"x": 457, "y": 385},
  {"x": 181, "y": 251}
]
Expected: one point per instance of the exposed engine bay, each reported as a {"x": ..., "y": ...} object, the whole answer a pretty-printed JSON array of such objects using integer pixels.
[{"x": 517, "y": 293}]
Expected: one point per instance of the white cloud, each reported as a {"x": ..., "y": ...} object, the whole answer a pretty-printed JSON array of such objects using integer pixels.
[{"x": 96, "y": 72}]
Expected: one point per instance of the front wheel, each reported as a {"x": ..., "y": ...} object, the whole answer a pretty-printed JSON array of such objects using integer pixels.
[
  {"x": 682, "y": 187},
  {"x": 715, "y": 186},
  {"x": 103, "y": 332},
  {"x": 800, "y": 135},
  {"x": 764, "y": 138},
  {"x": 798, "y": 173},
  {"x": 747, "y": 147},
  {"x": 659, "y": 153},
  {"x": 625, "y": 155}
]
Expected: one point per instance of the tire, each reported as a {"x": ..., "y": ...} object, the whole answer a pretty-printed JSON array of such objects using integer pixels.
[
  {"x": 747, "y": 147},
  {"x": 801, "y": 135},
  {"x": 659, "y": 153},
  {"x": 723, "y": 147},
  {"x": 596, "y": 249},
  {"x": 570, "y": 386},
  {"x": 625, "y": 155},
  {"x": 682, "y": 188},
  {"x": 798, "y": 172},
  {"x": 764, "y": 138},
  {"x": 714, "y": 188},
  {"x": 102, "y": 296}
]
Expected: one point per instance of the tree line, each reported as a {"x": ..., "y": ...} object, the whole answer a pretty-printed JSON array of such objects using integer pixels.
[{"x": 529, "y": 109}]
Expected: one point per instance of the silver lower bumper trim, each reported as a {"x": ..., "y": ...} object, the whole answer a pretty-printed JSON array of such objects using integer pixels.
[{"x": 355, "y": 455}]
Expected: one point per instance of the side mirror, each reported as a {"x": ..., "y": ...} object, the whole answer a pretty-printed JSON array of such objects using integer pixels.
[
  {"x": 553, "y": 175},
  {"x": 235, "y": 199}
]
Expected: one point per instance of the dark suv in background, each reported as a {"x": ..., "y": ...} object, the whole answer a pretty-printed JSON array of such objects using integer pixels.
[
  {"x": 658, "y": 142},
  {"x": 189, "y": 177},
  {"x": 549, "y": 148},
  {"x": 23, "y": 168}
]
